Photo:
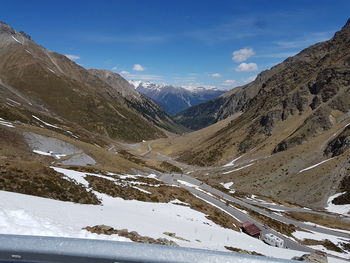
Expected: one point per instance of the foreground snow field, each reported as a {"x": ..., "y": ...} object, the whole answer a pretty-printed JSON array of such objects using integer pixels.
[{"x": 30, "y": 215}]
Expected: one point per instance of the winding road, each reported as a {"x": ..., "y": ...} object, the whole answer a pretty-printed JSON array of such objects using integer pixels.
[{"x": 218, "y": 198}]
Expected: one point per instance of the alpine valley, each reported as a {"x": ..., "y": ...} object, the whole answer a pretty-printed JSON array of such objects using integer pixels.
[{"x": 145, "y": 162}]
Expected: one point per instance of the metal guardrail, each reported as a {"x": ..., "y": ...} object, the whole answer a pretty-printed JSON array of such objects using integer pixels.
[{"x": 25, "y": 249}]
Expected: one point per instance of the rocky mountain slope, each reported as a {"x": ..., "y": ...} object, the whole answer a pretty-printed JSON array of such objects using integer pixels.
[
  {"x": 295, "y": 101},
  {"x": 284, "y": 135},
  {"x": 39, "y": 81},
  {"x": 174, "y": 99}
]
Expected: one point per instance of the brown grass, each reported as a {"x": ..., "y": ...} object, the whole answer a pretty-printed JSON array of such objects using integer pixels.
[
  {"x": 170, "y": 167},
  {"x": 35, "y": 179},
  {"x": 108, "y": 187},
  {"x": 326, "y": 243},
  {"x": 319, "y": 219},
  {"x": 278, "y": 226}
]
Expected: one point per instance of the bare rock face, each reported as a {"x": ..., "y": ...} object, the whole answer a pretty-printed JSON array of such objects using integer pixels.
[{"x": 340, "y": 144}]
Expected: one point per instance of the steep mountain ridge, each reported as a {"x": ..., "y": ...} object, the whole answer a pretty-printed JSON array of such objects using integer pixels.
[
  {"x": 54, "y": 85},
  {"x": 175, "y": 98},
  {"x": 305, "y": 95}
]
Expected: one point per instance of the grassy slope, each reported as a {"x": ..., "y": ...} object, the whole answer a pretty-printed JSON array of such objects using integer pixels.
[{"x": 71, "y": 98}]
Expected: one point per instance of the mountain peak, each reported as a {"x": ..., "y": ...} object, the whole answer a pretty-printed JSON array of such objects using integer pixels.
[
  {"x": 5, "y": 28},
  {"x": 347, "y": 25},
  {"x": 159, "y": 86},
  {"x": 174, "y": 99}
]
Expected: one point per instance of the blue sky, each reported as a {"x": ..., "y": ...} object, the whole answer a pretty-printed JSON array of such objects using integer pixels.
[{"x": 178, "y": 42}]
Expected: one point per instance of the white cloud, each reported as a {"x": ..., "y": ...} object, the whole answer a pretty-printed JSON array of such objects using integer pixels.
[
  {"x": 242, "y": 54},
  {"x": 229, "y": 82},
  {"x": 115, "y": 68},
  {"x": 124, "y": 72},
  {"x": 215, "y": 75},
  {"x": 72, "y": 57},
  {"x": 247, "y": 67},
  {"x": 138, "y": 67}
]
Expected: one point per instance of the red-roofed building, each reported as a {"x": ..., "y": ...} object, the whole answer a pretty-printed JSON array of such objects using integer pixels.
[{"x": 251, "y": 229}]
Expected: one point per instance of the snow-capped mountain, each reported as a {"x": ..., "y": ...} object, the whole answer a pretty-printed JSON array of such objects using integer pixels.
[{"x": 174, "y": 99}]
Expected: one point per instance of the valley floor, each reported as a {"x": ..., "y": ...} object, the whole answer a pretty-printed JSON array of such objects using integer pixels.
[{"x": 157, "y": 202}]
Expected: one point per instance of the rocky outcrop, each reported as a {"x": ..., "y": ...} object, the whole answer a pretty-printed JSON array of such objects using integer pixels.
[
  {"x": 244, "y": 252},
  {"x": 345, "y": 188},
  {"x": 133, "y": 235},
  {"x": 317, "y": 257},
  {"x": 340, "y": 144}
]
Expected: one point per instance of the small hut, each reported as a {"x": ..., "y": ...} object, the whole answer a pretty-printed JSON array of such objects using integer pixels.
[{"x": 251, "y": 229}]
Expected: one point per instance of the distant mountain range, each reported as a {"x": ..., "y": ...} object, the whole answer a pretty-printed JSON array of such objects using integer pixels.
[{"x": 174, "y": 99}]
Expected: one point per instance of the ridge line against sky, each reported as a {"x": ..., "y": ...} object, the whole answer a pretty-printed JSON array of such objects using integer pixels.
[{"x": 192, "y": 43}]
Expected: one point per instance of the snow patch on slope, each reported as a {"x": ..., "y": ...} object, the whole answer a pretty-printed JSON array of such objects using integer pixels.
[
  {"x": 240, "y": 168},
  {"x": 338, "y": 209},
  {"x": 6, "y": 123},
  {"x": 232, "y": 163},
  {"x": 16, "y": 40},
  {"x": 315, "y": 165},
  {"x": 227, "y": 185}
]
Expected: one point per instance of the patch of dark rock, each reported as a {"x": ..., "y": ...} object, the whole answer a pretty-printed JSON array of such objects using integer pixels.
[
  {"x": 133, "y": 235},
  {"x": 344, "y": 187},
  {"x": 282, "y": 146},
  {"x": 317, "y": 257},
  {"x": 315, "y": 102},
  {"x": 242, "y": 251},
  {"x": 340, "y": 144}
]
